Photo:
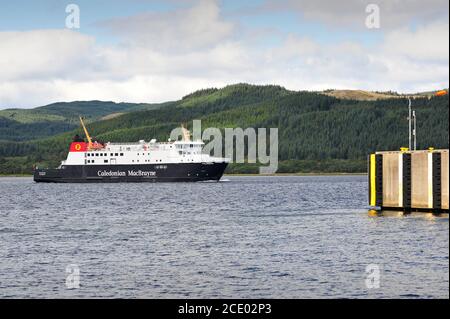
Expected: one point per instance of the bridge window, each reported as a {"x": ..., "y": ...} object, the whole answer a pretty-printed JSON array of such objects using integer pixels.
[
  {"x": 121, "y": 154},
  {"x": 117, "y": 154},
  {"x": 106, "y": 161}
]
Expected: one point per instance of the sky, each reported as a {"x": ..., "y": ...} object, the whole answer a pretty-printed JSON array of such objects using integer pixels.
[{"x": 153, "y": 51}]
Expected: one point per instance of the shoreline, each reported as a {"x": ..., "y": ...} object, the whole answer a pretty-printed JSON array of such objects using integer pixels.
[
  {"x": 16, "y": 175},
  {"x": 249, "y": 175},
  {"x": 300, "y": 174}
]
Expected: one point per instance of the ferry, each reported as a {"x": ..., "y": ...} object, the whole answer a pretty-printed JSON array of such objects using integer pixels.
[{"x": 93, "y": 161}]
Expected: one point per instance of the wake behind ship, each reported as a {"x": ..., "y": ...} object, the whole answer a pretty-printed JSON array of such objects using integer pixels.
[{"x": 178, "y": 161}]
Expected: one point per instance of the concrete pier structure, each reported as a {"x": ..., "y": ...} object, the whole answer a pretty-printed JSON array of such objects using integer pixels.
[{"x": 409, "y": 180}]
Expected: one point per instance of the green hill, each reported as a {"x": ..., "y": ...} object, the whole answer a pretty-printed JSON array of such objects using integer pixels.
[
  {"x": 44, "y": 121},
  {"x": 317, "y": 133}
]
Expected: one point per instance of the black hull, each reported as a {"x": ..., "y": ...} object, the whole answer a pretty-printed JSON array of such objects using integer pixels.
[{"x": 149, "y": 173}]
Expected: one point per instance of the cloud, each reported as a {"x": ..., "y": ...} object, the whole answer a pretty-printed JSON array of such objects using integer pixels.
[
  {"x": 294, "y": 47},
  {"x": 352, "y": 13},
  {"x": 138, "y": 89},
  {"x": 430, "y": 42},
  {"x": 194, "y": 28},
  {"x": 159, "y": 60},
  {"x": 42, "y": 53},
  {"x": 406, "y": 61}
]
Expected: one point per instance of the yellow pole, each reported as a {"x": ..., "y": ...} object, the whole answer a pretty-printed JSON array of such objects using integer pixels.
[
  {"x": 86, "y": 132},
  {"x": 373, "y": 191}
]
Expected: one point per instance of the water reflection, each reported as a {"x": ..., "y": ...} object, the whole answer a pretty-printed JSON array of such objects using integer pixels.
[{"x": 396, "y": 213}]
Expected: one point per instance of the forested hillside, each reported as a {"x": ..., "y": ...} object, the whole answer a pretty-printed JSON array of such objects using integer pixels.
[
  {"x": 317, "y": 133},
  {"x": 44, "y": 121}
]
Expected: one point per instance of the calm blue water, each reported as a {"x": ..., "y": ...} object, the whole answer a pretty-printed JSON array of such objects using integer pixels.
[{"x": 246, "y": 237}]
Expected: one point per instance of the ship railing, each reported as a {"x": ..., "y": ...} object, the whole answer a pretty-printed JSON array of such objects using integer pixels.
[
  {"x": 109, "y": 144},
  {"x": 134, "y": 144}
]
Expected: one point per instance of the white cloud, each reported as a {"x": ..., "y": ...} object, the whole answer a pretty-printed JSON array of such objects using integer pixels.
[
  {"x": 430, "y": 42},
  {"x": 42, "y": 53},
  {"x": 352, "y": 13},
  {"x": 194, "y": 28},
  {"x": 292, "y": 48},
  {"x": 139, "y": 89}
]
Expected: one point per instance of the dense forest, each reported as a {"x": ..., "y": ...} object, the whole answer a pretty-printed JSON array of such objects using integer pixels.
[
  {"x": 49, "y": 120},
  {"x": 317, "y": 133}
]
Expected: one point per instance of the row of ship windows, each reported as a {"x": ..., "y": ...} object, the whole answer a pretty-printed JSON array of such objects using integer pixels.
[
  {"x": 137, "y": 161},
  {"x": 113, "y": 154},
  {"x": 106, "y": 161},
  {"x": 187, "y": 153},
  {"x": 103, "y": 154},
  {"x": 179, "y": 152},
  {"x": 93, "y": 161},
  {"x": 138, "y": 154},
  {"x": 146, "y": 161}
]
